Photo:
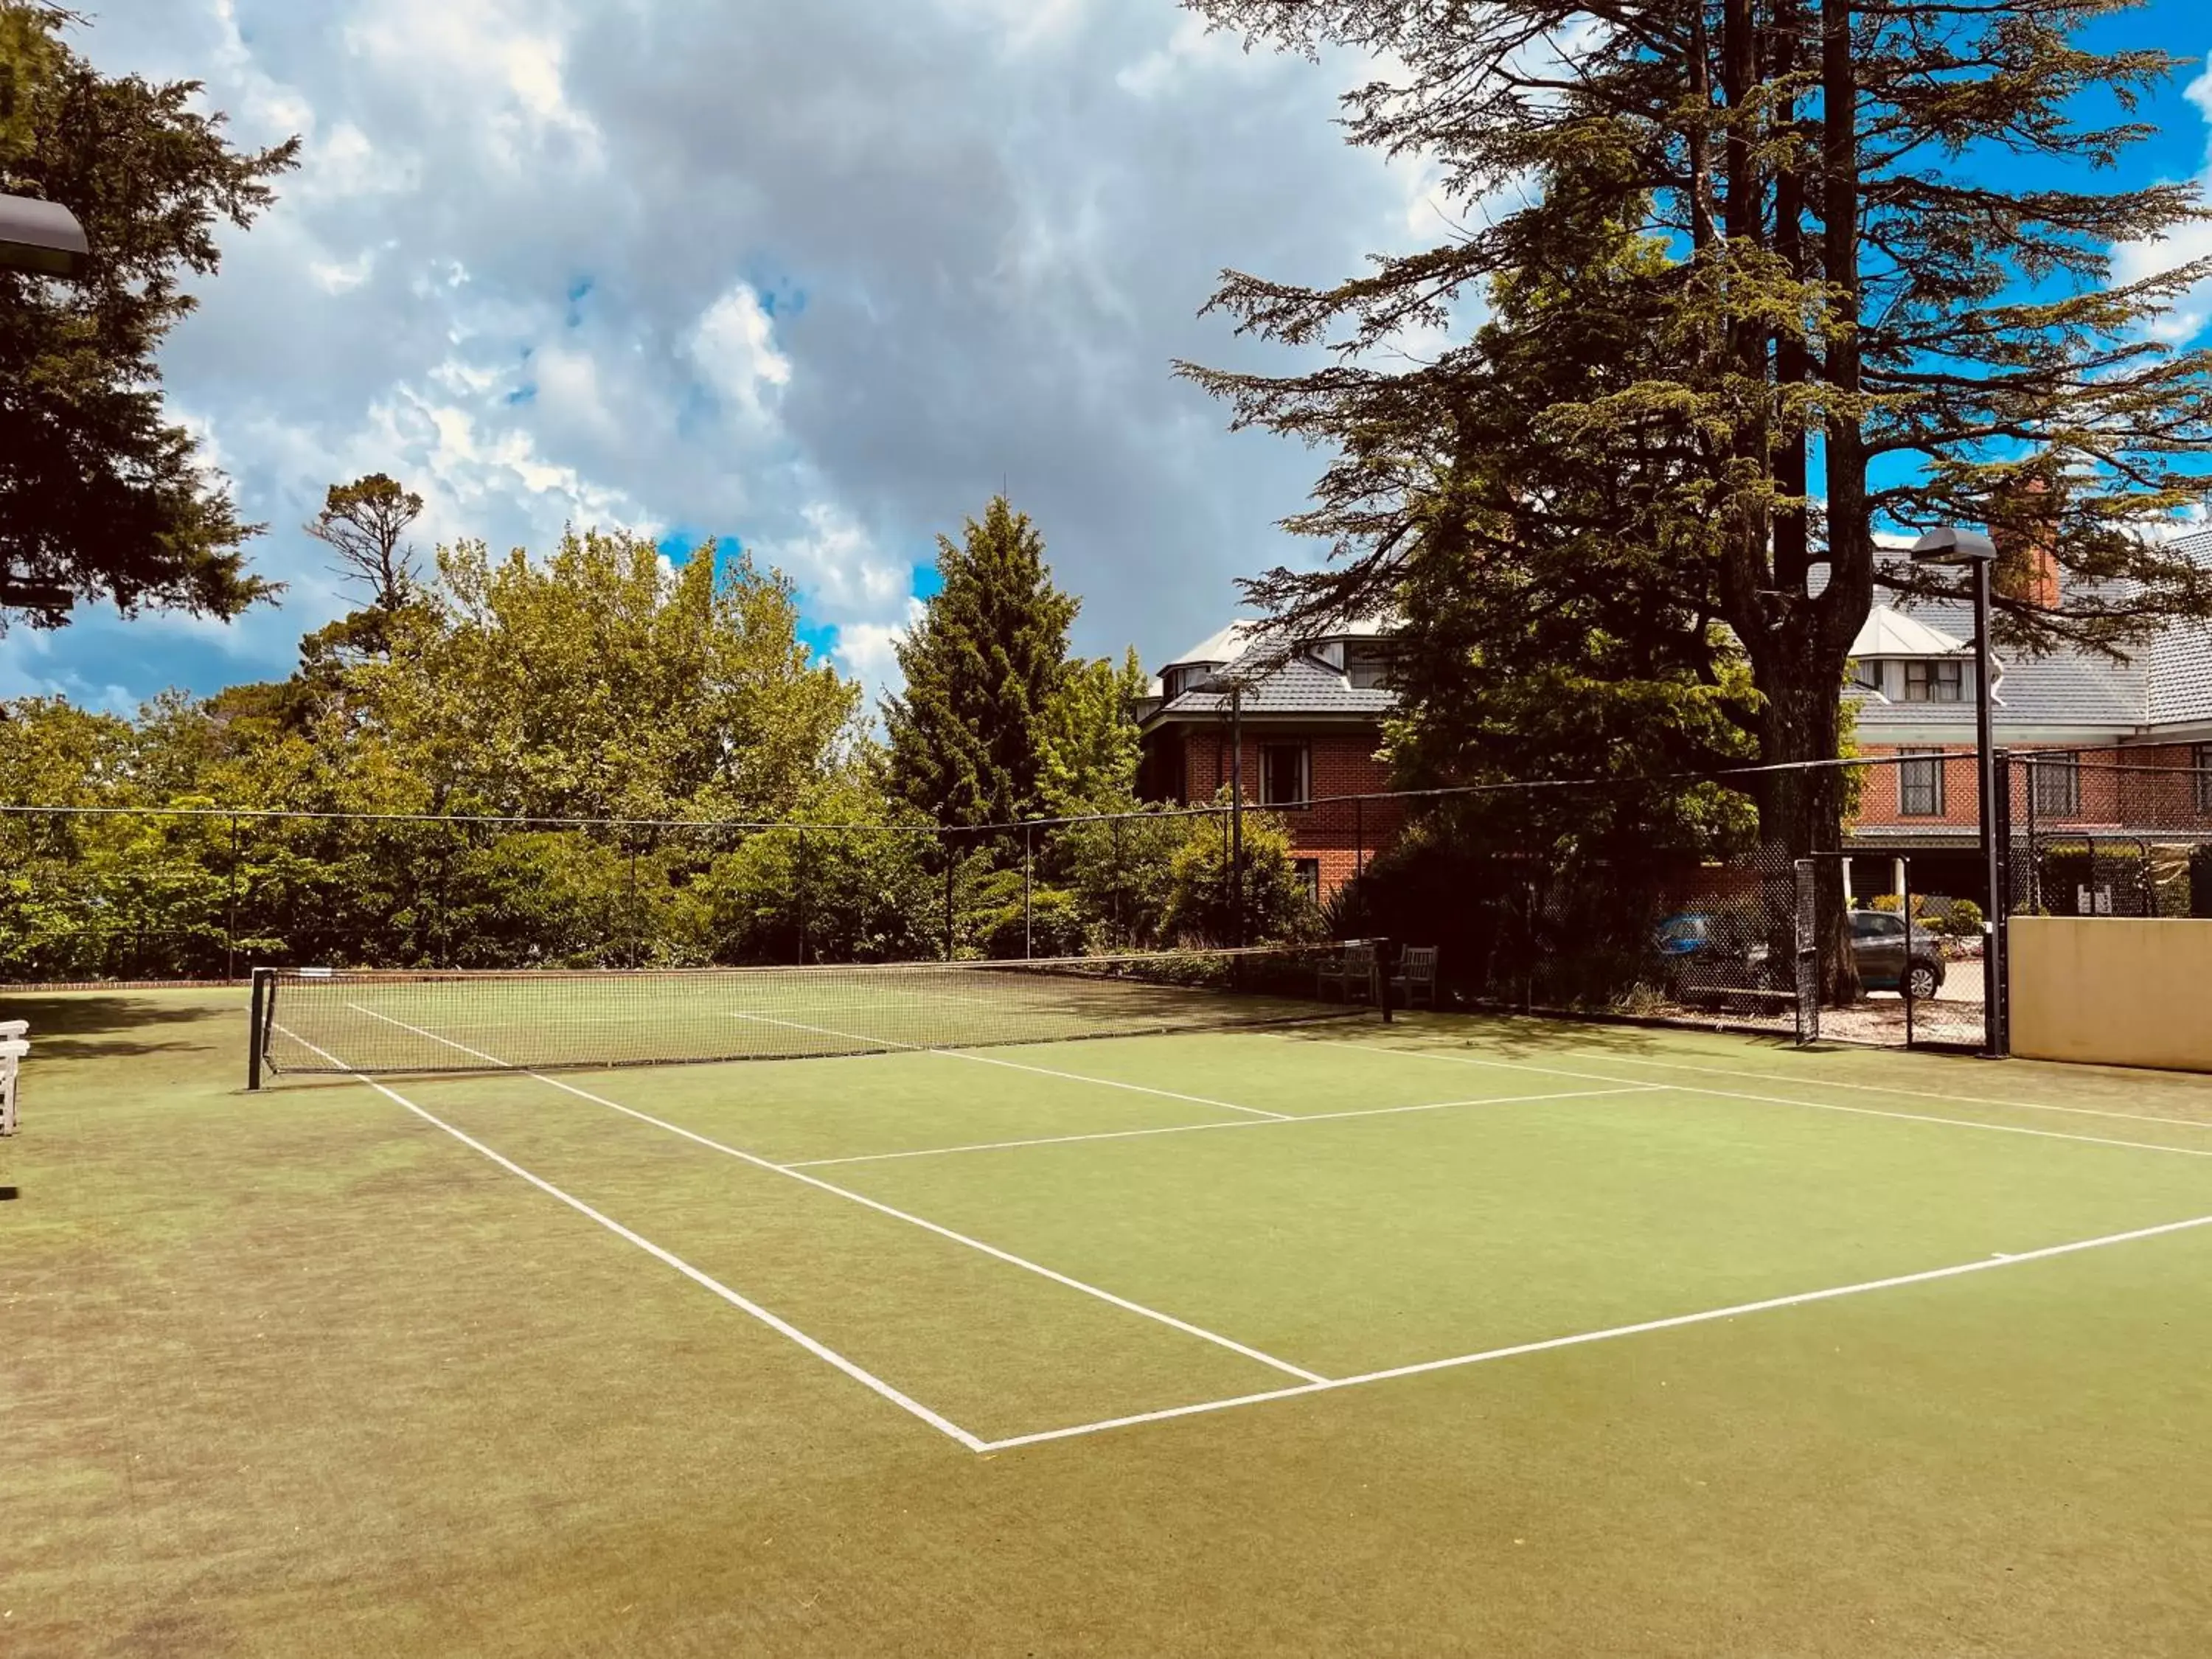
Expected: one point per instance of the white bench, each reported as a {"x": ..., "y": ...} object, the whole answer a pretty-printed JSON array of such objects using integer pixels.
[{"x": 13, "y": 1048}]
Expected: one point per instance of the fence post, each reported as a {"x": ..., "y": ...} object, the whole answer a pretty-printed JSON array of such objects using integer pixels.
[
  {"x": 951, "y": 858},
  {"x": 803, "y": 892},
  {"x": 230, "y": 927},
  {"x": 1359, "y": 838},
  {"x": 254, "y": 1028},
  {"x": 1028, "y": 948},
  {"x": 1120, "y": 875}
]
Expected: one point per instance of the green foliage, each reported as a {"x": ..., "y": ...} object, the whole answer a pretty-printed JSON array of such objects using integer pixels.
[
  {"x": 1089, "y": 736},
  {"x": 983, "y": 667},
  {"x": 1201, "y": 897},
  {"x": 100, "y": 496},
  {"x": 1965, "y": 919},
  {"x": 1760, "y": 287}
]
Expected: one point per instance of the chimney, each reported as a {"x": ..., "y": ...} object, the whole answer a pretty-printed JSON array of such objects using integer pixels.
[{"x": 2024, "y": 524}]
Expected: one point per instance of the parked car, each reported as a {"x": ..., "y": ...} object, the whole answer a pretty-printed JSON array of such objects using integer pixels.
[
  {"x": 1723, "y": 957},
  {"x": 1890, "y": 956}
]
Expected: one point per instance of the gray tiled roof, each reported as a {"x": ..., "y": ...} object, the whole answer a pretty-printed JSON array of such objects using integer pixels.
[
  {"x": 1300, "y": 686},
  {"x": 2166, "y": 681}
]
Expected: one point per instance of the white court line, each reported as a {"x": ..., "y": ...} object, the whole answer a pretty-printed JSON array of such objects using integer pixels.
[
  {"x": 992, "y": 1250},
  {"x": 1987, "y": 1264},
  {"x": 1194, "y": 1129},
  {"x": 1778, "y": 1100},
  {"x": 781, "y": 1326},
  {"x": 1017, "y": 1065},
  {"x": 1916, "y": 1094}
]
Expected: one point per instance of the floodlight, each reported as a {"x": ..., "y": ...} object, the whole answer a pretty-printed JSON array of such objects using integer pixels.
[
  {"x": 43, "y": 237},
  {"x": 1948, "y": 546}
]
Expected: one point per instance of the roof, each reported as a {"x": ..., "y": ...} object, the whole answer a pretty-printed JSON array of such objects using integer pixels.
[
  {"x": 1301, "y": 683},
  {"x": 1891, "y": 633},
  {"x": 1223, "y": 646}
]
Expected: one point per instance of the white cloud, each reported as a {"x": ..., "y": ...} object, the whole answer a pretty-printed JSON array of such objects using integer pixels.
[
  {"x": 527, "y": 267},
  {"x": 868, "y": 651},
  {"x": 734, "y": 346},
  {"x": 2135, "y": 262}
]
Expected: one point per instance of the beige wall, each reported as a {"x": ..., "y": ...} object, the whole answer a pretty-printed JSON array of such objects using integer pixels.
[{"x": 2112, "y": 991}]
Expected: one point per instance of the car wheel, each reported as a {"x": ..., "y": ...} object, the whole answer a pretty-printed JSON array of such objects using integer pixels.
[{"x": 1922, "y": 981}]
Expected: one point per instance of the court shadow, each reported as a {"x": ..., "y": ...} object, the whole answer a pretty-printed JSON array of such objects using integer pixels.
[{"x": 117, "y": 1025}]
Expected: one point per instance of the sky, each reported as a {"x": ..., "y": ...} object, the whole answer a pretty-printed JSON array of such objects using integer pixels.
[{"x": 818, "y": 279}]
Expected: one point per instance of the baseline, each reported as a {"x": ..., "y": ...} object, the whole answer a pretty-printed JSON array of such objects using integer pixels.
[
  {"x": 1192, "y": 1128},
  {"x": 781, "y": 1326},
  {"x": 1579, "y": 1339},
  {"x": 862, "y": 1199}
]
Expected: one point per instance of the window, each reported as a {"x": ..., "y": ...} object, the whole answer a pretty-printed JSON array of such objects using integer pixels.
[
  {"x": 1367, "y": 665},
  {"x": 1875, "y": 924},
  {"x": 1935, "y": 679},
  {"x": 2057, "y": 783},
  {"x": 2201, "y": 757},
  {"x": 1308, "y": 872},
  {"x": 1920, "y": 785},
  {"x": 1282, "y": 774},
  {"x": 1867, "y": 676},
  {"x": 1189, "y": 678}
]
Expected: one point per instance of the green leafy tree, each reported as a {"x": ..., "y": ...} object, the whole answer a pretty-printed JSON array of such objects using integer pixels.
[
  {"x": 983, "y": 668},
  {"x": 1089, "y": 738},
  {"x": 1201, "y": 905},
  {"x": 1857, "y": 320},
  {"x": 100, "y": 495},
  {"x": 597, "y": 683}
]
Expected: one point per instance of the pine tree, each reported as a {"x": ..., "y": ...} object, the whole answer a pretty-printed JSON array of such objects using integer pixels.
[{"x": 982, "y": 667}]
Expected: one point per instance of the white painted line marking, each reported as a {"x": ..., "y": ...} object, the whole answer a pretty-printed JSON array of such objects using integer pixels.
[
  {"x": 1916, "y": 1094},
  {"x": 783, "y": 1327},
  {"x": 1017, "y": 1065},
  {"x": 1581, "y": 1338},
  {"x": 1194, "y": 1128},
  {"x": 992, "y": 1250},
  {"x": 1778, "y": 1100}
]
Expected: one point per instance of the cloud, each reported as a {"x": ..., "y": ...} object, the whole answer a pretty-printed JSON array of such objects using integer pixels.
[
  {"x": 735, "y": 347},
  {"x": 2135, "y": 262},
  {"x": 821, "y": 278}
]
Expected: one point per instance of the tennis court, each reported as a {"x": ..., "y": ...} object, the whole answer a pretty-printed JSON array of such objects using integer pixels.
[{"x": 1415, "y": 1335}]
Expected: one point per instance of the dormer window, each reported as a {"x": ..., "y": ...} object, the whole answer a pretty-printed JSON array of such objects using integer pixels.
[
  {"x": 1180, "y": 680},
  {"x": 1867, "y": 676},
  {"x": 1367, "y": 665},
  {"x": 1935, "y": 680}
]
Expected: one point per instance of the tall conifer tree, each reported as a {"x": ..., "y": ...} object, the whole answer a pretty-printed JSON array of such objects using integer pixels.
[{"x": 983, "y": 668}]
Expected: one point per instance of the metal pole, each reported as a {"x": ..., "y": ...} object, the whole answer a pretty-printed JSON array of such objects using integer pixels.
[
  {"x": 802, "y": 898},
  {"x": 951, "y": 853},
  {"x": 1027, "y": 949},
  {"x": 255, "y": 1027},
  {"x": 1993, "y": 936},
  {"x": 1237, "y": 813},
  {"x": 1904, "y": 974},
  {"x": 230, "y": 927}
]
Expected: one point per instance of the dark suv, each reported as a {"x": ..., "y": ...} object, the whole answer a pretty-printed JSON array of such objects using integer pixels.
[
  {"x": 1889, "y": 957},
  {"x": 1722, "y": 958}
]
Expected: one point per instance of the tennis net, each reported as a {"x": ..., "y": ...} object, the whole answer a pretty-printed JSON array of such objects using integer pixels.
[{"x": 343, "y": 1021}]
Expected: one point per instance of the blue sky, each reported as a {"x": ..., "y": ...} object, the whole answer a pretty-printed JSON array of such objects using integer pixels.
[{"x": 818, "y": 279}]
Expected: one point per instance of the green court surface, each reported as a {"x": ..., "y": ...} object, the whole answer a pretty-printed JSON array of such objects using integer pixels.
[{"x": 1447, "y": 1336}]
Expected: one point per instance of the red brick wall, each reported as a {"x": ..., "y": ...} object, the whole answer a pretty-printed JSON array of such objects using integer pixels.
[
  {"x": 2105, "y": 792},
  {"x": 1340, "y": 836}
]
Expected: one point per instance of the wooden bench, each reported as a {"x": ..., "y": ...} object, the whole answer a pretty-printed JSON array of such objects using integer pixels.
[
  {"x": 1351, "y": 971},
  {"x": 1416, "y": 976}
]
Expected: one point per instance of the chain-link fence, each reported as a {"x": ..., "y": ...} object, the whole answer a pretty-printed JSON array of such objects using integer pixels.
[{"x": 1658, "y": 899}]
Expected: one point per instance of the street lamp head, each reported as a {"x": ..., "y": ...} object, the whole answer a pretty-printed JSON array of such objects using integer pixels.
[
  {"x": 1949, "y": 546},
  {"x": 41, "y": 236}
]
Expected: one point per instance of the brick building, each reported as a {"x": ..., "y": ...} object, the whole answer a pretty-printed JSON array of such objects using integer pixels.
[
  {"x": 2123, "y": 747},
  {"x": 1308, "y": 722}
]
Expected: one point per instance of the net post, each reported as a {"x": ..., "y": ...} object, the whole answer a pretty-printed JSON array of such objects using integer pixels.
[
  {"x": 257, "y": 1019},
  {"x": 1382, "y": 950}
]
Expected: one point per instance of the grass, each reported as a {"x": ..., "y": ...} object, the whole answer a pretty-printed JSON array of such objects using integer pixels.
[{"x": 297, "y": 1372}]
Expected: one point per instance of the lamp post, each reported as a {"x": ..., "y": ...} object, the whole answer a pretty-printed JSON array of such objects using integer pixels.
[
  {"x": 1973, "y": 549},
  {"x": 43, "y": 237}
]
